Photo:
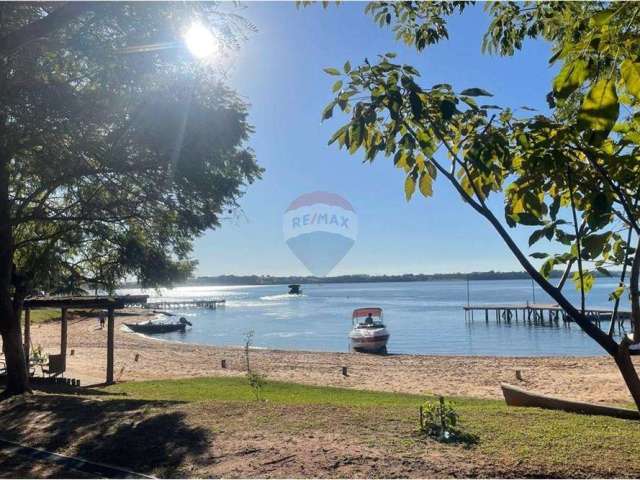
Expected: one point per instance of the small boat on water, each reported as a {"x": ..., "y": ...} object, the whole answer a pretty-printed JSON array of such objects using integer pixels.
[
  {"x": 152, "y": 328},
  {"x": 368, "y": 332},
  {"x": 295, "y": 289},
  {"x": 517, "y": 397}
]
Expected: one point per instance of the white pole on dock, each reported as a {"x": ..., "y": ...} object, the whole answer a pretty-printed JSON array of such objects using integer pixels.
[
  {"x": 468, "y": 302},
  {"x": 533, "y": 290}
]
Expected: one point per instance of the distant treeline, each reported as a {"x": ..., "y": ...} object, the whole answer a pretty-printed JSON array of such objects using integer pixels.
[
  {"x": 360, "y": 278},
  {"x": 408, "y": 277}
]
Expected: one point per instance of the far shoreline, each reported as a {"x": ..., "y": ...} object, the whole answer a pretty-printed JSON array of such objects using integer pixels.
[{"x": 271, "y": 280}]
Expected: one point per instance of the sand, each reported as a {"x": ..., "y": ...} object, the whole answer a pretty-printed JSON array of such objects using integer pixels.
[{"x": 593, "y": 379}]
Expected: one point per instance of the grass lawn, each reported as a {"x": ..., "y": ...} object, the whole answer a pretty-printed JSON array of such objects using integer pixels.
[
  {"x": 213, "y": 427},
  {"x": 42, "y": 315},
  {"x": 524, "y": 441}
]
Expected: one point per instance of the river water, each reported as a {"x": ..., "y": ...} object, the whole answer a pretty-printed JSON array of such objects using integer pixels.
[{"x": 423, "y": 317}]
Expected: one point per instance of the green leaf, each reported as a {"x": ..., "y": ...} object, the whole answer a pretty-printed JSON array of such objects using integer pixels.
[
  {"x": 340, "y": 133},
  {"x": 355, "y": 137},
  {"x": 526, "y": 218},
  {"x": 426, "y": 184},
  {"x": 617, "y": 293},
  {"x": 545, "y": 269},
  {"x": 601, "y": 18},
  {"x": 539, "y": 255},
  {"x": 337, "y": 86},
  {"x": 470, "y": 101},
  {"x": 570, "y": 78},
  {"x": 594, "y": 244},
  {"x": 416, "y": 104},
  {"x": 331, "y": 71},
  {"x": 328, "y": 111},
  {"x": 600, "y": 107},
  {"x": 601, "y": 203},
  {"x": 409, "y": 187},
  {"x": 447, "y": 109},
  {"x": 476, "y": 92},
  {"x": 347, "y": 67},
  {"x": 630, "y": 72},
  {"x": 535, "y": 236},
  {"x": 586, "y": 283}
]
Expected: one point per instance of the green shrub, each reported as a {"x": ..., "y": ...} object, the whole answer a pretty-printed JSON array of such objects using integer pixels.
[
  {"x": 256, "y": 381},
  {"x": 438, "y": 420}
]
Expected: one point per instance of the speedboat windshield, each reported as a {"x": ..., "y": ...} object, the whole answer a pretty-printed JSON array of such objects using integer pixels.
[{"x": 368, "y": 317}]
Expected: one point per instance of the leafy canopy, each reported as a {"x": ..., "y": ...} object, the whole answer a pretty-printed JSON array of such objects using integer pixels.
[
  {"x": 121, "y": 147},
  {"x": 573, "y": 174}
]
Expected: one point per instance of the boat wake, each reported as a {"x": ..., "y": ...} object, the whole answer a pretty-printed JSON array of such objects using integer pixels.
[
  {"x": 287, "y": 334},
  {"x": 281, "y": 296}
]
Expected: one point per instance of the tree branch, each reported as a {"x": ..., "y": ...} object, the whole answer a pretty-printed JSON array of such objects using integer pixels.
[
  {"x": 43, "y": 27},
  {"x": 606, "y": 342}
]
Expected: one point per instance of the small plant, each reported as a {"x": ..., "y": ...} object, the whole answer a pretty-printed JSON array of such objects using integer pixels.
[
  {"x": 256, "y": 381},
  {"x": 38, "y": 357},
  {"x": 438, "y": 420}
]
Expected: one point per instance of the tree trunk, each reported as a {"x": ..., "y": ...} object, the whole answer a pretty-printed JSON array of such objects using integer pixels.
[
  {"x": 17, "y": 375},
  {"x": 635, "y": 294},
  {"x": 628, "y": 371}
]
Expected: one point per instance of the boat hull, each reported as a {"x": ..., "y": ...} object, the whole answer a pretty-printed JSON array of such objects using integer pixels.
[
  {"x": 369, "y": 340},
  {"x": 517, "y": 397},
  {"x": 150, "y": 328}
]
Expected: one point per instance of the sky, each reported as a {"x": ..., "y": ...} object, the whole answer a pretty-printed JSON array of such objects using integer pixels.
[{"x": 279, "y": 72}]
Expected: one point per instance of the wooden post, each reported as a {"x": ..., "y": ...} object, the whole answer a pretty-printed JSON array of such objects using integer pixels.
[
  {"x": 110, "y": 345},
  {"x": 27, "y": 334},
  {"x": 63, "y": 336}
]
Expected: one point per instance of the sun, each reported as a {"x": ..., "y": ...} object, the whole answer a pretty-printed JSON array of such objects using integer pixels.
[{"x": 200, "y": 41}]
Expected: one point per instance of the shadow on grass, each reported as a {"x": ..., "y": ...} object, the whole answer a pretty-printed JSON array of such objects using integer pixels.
[
  {"x": 455, "y": 437},
  {"x": 464, "y": 438},
  {"x": 92, "y": 390},
  {"x": 151, "y": 437}
]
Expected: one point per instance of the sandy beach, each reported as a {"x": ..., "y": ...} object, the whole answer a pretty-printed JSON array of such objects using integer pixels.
[{"x": 584, "y": 378}]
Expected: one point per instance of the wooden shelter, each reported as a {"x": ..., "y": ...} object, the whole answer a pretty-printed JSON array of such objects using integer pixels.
[{"x": 110, "y": 304}]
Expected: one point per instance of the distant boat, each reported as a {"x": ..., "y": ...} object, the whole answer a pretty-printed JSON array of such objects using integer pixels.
[
  {"x": 153, "y": 328},
  {"x": 368, "y": 332},
  {"x": 295, "y": 289},
  {"x": 517, "y": 397}
]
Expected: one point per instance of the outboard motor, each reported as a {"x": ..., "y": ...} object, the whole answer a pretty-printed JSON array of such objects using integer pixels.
[{"x": 184, "y": 321}]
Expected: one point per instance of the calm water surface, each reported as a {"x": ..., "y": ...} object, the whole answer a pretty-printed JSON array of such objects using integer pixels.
[{"x": 423, "y": 317}]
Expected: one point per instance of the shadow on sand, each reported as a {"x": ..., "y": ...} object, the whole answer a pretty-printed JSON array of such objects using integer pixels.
[{"x": 149, "y": 437}]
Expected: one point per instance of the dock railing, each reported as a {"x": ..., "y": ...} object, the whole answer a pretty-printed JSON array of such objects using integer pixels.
[{"x": 537, "y": 313}]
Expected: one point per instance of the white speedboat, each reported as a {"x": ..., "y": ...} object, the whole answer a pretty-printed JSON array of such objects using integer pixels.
[{"x": 368, "y": 332}]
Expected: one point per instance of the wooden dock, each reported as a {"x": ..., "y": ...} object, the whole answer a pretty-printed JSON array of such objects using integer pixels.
[
  {"x": 536, "y": 313},
  {"x": 210, "y": 304}
]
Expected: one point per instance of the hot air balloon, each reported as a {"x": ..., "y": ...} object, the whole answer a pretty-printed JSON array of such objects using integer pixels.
[{"x": 320, "y": 228}]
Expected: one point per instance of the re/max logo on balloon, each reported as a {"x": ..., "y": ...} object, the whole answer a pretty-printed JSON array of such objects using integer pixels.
[
  {"x": 320, "y": 228},
  {"x": 320, "y": 219}
]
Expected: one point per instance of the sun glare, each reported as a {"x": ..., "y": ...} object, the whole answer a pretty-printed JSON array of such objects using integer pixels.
[{"x": 200, "y": 41}]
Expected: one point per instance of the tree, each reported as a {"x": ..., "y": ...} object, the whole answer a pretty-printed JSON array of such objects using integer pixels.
[
  {"x": 573, "y": 174},
  {"x": 117, "y": 149}
]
